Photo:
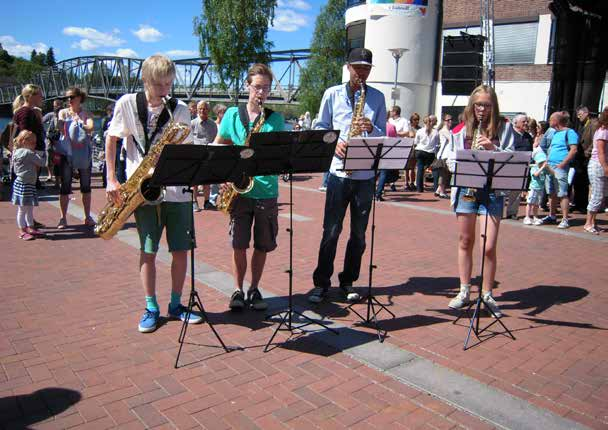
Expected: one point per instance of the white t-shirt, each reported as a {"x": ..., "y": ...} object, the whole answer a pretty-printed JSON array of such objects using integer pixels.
[
  {"x": 125, "y": 124},
  {"x": 426, "y": 142},
  {"x": 401, "y": 124}
]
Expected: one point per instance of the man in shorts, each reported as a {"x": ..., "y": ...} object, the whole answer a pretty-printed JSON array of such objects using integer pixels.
[
  {"x": 258, "y": 207},
  {"x": 174, "y": 213},
  {"x": 561, "y": 152}
]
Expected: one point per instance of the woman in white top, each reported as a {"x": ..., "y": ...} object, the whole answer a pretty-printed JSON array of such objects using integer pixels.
[
  {"x": 441, "y": 174},
  {"x": 425, "y": 143},
  {"x": 495, "y": 134}
]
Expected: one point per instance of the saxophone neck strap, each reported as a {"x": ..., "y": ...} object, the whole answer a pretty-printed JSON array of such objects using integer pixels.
[
  {"x": 142, "y": 114},
  {"x": 244, "y": 117}
]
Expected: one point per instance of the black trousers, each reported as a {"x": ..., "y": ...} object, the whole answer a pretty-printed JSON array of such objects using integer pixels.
[{"x": 580, "y": 184}]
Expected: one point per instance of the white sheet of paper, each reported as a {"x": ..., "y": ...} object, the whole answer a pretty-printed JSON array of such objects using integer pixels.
[
  {"x": 361, "y": 152},
  {"x": 511, "y": 169}
]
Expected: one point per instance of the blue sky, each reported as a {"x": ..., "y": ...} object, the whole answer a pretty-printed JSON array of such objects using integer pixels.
[{"x": 135, "y": 28}]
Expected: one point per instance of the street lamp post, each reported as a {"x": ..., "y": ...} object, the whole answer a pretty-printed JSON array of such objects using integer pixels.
[{"x": 397, "y": 54}]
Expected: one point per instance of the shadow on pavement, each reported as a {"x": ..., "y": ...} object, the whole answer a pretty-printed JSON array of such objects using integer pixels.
[
  {"x": 24, "y": 410},
  {"x": 541, "y": 297}
]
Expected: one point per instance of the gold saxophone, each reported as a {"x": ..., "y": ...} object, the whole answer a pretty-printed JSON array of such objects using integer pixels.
[
  {"x": 355, "y": 130},
  {"x": 137, "y": 189},
  {"x": 225, "y": 200},
  {"x": 469, "y": 193}
]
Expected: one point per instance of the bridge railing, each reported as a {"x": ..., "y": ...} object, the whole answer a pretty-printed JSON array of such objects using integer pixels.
[{"x": 107, "y": 77}]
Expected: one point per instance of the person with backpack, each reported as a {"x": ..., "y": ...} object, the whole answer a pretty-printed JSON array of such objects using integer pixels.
[
  {"x": 140, "y": 119},
  {"x": 76, "y": 153},
  {"x": 561, "y": 152}
]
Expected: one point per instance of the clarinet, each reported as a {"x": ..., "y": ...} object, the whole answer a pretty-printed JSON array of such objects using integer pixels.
[{"x": 469, "y": 193}]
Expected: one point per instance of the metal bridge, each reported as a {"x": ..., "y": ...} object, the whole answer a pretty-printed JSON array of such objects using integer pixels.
[{"x": 108, "y": 78}]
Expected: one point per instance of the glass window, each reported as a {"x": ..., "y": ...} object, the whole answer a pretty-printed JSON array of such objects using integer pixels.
[
  {"x": 351, "y": 3},
  {"x": 355, "y": 35},
  {"x": 513, "y": 43}
]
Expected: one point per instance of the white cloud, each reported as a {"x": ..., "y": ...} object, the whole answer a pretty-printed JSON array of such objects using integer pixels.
[
  {"x": 123, "y": 52},
  {"x": 182, "y": 53},
  {"x": 294, "y": 4},
  {"x": 92, "y": 38},
  {"x": 19, "y": 49},
  {"x": 289, "y": 20},
  {"x": 147, "y": 33}
]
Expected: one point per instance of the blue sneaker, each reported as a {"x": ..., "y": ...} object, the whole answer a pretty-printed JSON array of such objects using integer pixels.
[
  {"x": 179, "y": 313},
  {"x": 148, "y": 321}
]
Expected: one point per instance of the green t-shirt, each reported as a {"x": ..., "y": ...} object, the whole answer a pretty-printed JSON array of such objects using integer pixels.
[{"x": 265, "y": 187}]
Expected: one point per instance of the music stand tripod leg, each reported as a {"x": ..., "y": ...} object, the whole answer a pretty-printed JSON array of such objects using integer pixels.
[
  {"x": 194, "y": 299},
  {"x": 289, "y": 312}
]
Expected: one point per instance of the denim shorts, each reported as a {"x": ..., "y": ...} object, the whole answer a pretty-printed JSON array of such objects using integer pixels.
[
  {"x": 557, "y": 183},
  {"x": 151, "y": 221},
  {"x": 262, "y": 215},
  {"x": 535, "y": 196},
  {"x": 478, "y": 206}
]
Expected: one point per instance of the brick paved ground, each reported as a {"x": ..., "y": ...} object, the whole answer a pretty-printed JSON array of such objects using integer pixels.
[{"x": 72, "y": 302}]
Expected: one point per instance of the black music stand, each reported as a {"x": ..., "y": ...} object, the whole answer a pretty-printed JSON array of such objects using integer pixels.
[
  {"x": 309, "y": 151},
  {"x": 488, "y": 171},
  {"x": 375, "y": 153},
  {"x": 191, "y": 165}
]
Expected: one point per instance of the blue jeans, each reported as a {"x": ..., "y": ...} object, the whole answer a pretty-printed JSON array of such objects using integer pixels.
[
  {"x": 423, "y": 160},
  {"x": 342, "y": 192},
  {"x": 325, "y": 178}
]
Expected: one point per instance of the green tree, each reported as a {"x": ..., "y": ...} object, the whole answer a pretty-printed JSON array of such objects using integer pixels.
[
  {"x": 328, "y": 53},
  {"x": 233, "y": 34},
  {"x": 50, "y": 57}
]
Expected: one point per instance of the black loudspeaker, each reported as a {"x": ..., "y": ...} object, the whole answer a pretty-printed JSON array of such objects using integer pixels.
[{"x": 462, "y": 68}]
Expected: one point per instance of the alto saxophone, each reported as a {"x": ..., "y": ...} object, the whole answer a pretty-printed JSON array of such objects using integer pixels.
[
  {"x": 137, "y": 190},
  {"x": 226, "y": 198},
  {"x": 469, "y": 193},
  {"x": 355, "y": 130}
]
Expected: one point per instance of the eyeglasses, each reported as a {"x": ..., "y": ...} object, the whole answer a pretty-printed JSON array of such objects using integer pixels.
[
  {"x": 448, "y": 119},
  {"x": 263, "y": 88},
  {"x": 72, "y": 97},
  {"x": 485, "y": 106}
]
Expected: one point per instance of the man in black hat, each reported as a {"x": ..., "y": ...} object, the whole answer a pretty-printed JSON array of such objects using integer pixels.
[{"x": 343, "y": 189}]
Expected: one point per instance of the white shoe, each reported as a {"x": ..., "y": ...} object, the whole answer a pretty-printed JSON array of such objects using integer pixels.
[
  {"x": 564, "y": 224},
  {"x": 537, "y": 221},
  {"x": 322, "y": 188},
  {"x": 462, "y": 299},
  {"x": 528, "y": 221},
  {"x": 491, "y": 304}
]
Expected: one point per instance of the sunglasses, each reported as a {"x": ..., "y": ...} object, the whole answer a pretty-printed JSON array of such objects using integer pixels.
[{"x": 72, "y": 97}]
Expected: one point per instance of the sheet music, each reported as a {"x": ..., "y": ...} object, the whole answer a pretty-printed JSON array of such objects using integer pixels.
[
  {"x": 511, "y": 169},
  {"x": 361, "y": 152}
]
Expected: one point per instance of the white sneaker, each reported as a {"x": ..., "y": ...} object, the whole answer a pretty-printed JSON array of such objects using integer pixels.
[
  {"x": 491, "y": 304},
  {"x": 564, "y": 224},
  {"x": 537, "y": 221},
  {"x": 461, "y": 300},
  {"x": 322, "y": 188},
  {"x": 528, "y": 221}
]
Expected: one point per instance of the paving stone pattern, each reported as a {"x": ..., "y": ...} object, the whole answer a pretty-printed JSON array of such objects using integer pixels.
[{"x": 71, "y": 356}]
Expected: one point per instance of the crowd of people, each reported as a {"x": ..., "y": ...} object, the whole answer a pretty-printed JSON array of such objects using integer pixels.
[{"x": 567, "y": 165}]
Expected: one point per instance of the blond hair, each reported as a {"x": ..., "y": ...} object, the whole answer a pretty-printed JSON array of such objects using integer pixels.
[
  {"x": 157, "y": 67},
  {"x": 259, "y": 69},
  {"x": 26, "y": 92},
  {"x": 470, "y": 119},
  {"x": 22, "y": 138}
]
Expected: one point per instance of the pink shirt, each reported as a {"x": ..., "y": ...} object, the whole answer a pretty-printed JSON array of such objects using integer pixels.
[
  {"x": 600, "y": 134},
  {"x": 391, "y": 130}
]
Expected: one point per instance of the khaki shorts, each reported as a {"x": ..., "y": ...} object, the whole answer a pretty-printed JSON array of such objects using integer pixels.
[{"x": 262, "y": 214}]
